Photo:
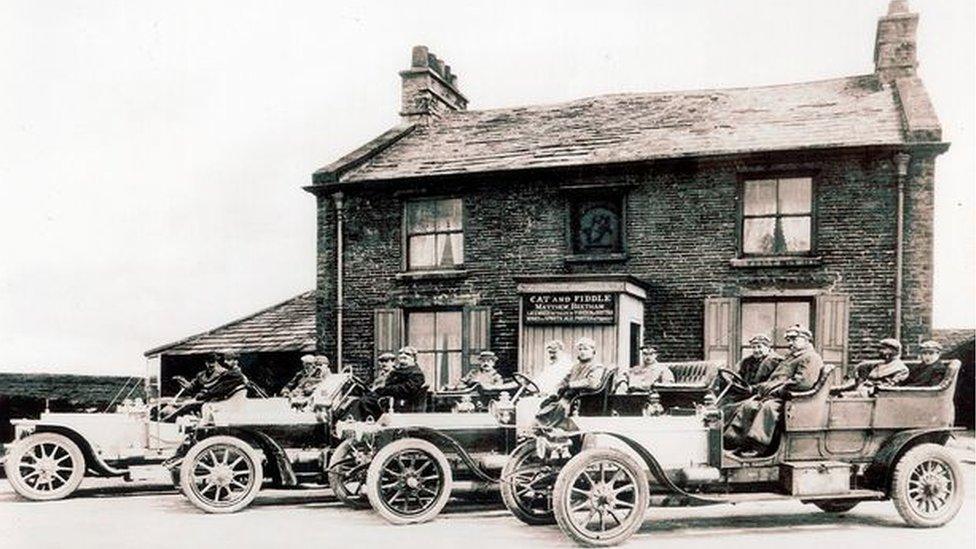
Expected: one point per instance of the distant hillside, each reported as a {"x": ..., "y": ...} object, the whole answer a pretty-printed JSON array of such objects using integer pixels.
[{"x": 73, "y": 390}]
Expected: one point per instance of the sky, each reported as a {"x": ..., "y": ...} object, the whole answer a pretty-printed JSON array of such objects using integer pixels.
[{"x": 152, "y": 154}]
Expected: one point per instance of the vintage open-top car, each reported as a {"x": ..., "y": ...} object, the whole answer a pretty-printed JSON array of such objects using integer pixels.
[
  {"x": 410, "y": 464},
  {"x": 832, "y": 450},
  {"x": 50, "y": 456},
  {"x": 235, "y": 446}
]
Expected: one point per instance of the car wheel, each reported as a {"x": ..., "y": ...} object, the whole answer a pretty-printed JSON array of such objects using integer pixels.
[
  {"x": 45, "y": 466},
  {"x": 221, "y": 474},
  {"x": 600, "y": 497},
  {"x": 409, "y": 481},
  {"x": 527, "y": 484},
  {"x": 836, "y": 505},
  {"x": 926, "y": 486},
  {"x": 348, "y": 488}
]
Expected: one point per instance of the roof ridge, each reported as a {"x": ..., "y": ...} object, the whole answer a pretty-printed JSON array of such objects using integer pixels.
[
  {"x": 460, "y": 114},
  {"x": 188, "y": 339}
]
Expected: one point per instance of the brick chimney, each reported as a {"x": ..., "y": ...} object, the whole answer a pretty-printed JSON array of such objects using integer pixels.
[
  {"x": 895, "y": 43},
  {"x": 429, "y": 89}
]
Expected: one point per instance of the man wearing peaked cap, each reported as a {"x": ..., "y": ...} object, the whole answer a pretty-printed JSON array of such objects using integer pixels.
[
  {"x": 305, "y": 381},
  {"x": 753, "y": 423},
  {"x": 643, "y": 376}
]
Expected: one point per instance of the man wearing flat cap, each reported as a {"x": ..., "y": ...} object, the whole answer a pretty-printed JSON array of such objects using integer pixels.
[
  {"x": 484, "y": 373},
  {"x": 890, "y": 372},
  {"x": 405, "y": 384},
  {"x": 643, "y": 376},
  {"x": 757, "y": 367},
  {"x": 384, "y": 365},
  {"x": 753, "y": 424},
  {"x": 931, "y": 371},
  {"x": 304, "y": 382}
]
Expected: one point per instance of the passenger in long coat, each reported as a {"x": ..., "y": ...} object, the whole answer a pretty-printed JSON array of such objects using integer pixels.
[
  {"x": 585, "y": 374},
  {"x": 931, "y": 371},
  {"x": 754, "y": 422},
  {"x": 405, "y": 384}
]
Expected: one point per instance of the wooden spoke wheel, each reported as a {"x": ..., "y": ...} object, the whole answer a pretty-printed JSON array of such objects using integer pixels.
[
  {"x": 45, "y": 466},
  {"x": 409, "y": 481},
  {"x": 527, "y": 484},
  {"x": 221, "y": 474},
  {"x": 926, "y": 486},
  {"x": 347, "y": 476},
  {"x": 600, "y": 497}
]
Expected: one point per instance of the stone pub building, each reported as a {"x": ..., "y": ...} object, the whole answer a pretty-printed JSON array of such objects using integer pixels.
[{"x": 690, "y": 220}]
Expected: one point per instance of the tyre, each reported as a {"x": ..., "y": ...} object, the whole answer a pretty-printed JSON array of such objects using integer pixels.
[
  {"x": 221, "y": 474},
  {"x": 600, "y": 497},
  {"x": 836, "y": 506},
  {"x": 527, "y": 484},
  {"x": 409, "y": 481},
  {"x": 348, "y": 489},
  {"x": 45, "y": 466},
  {"x": 926, "y": 486}
]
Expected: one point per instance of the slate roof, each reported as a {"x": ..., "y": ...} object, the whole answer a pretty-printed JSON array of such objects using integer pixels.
[
  {"x": 287, "y": 326},
  {"x": 843, "y": 112},
  {"x": 950, "y": 338}
]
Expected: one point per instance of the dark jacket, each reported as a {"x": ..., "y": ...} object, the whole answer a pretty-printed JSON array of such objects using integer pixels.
[
  {"x": 404, "y": 383},
  {"x": 756, "y": 370}
]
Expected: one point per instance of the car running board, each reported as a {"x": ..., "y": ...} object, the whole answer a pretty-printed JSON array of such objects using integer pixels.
[{"x": 774, "y": 496}]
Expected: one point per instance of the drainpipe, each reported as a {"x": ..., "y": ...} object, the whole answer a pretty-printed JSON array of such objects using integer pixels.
[
  {"x": 901, "y": 162},
  {"x": 340, "y": 215}
]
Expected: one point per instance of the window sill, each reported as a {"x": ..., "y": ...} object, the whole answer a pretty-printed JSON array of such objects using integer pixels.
[
  {"x": 448, "y": 274},
  {"x": 595, "y": 258},
  {"x": 776, "y": 261}
]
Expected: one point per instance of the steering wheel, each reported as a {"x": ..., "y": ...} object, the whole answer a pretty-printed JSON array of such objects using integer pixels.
[
  {"x": 732, "y": 380},
  {"x": 525, "y": 384}
]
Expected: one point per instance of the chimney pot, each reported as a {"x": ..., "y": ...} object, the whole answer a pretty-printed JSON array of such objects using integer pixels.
[
  {"x": 419, "y": 56},
  {"x": 897, "y": 6}
]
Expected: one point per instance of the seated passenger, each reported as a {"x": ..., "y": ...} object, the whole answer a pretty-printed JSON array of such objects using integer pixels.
[
  {"x": 753, "y": 421},
  {"x": 757, "y": 367},
  {"x": 384, "y": 365},
  {"x": 405, "y": 384},
  {"x": 304, "y": 382},
  {"x": 555, "y": 369},
  {"x": 648, "y": 373},
  {"x": 890, "y": 373},
  {"x": 484, "y": 374},
  {"x": 585, "y": 374},
  {"x": 931, "y": 371},
  {"x": 216, "y": 382}
]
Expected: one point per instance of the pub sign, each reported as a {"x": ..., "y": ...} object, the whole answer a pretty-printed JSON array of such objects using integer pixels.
[{"x": 569, "y": 308}]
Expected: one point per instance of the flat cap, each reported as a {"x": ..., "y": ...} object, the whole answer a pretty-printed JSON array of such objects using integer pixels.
[
  {"x": 761, "y": 338},
  {"x": 799, "y": 331},
  {"x": 931, "y": 345},
  {"x": 890, "y": 343},
  {"x": 308, "y": 358},
  {"x": 386, "y": 356},
  {"x": 408, "y": 350},
  {"x": 586, "y": 341},
  {"x": 322, "y": 359},
  {"x": 230, "y": 353},
  {"x": 487, "y": 354},
  {"x": 648, "y": 348}
]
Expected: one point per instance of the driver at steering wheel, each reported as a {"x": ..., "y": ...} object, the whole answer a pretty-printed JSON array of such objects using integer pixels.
[{"x": 485, "y": 374}]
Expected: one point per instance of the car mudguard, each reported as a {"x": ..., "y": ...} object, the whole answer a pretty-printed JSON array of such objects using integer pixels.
[
  {"x": 877, "y": 475},
  {"x": 280, "y": 467},
  {"x": 93, "y": 463},
  {"x": 437, "y": 438},
  {"x": 658, "y": 472}
]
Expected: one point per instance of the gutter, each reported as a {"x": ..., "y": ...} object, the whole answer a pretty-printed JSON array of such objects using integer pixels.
[{"x": 340, "y": 218}]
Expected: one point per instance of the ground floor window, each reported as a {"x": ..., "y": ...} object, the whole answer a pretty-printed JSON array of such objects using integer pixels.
[
  {"x": 447, "y": 340},
  {"x": 437, "y": 337}
]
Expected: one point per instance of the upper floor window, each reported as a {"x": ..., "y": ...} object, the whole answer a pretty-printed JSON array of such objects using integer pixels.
[
  {"x": 777, "y": 216},
  {"x": 596, "y": 225},
  {"x": 434, "y": 234}
]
